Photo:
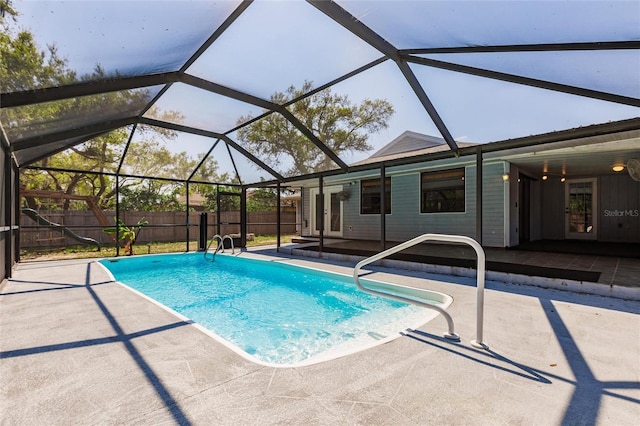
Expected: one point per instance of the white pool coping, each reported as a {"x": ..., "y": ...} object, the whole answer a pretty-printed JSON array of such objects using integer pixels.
[{"x": 379, "y": 336}]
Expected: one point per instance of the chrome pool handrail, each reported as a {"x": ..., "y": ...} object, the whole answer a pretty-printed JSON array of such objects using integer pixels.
[
  {"x": 219, "y": 247},
  {"x": 228, "y": 237},
  {"x": 478, "y": 343}
]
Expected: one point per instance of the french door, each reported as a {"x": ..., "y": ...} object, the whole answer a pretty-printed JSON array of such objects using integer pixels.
[
  {"x": 581, "y": 210},
  {"x": 331, "y": 216}
]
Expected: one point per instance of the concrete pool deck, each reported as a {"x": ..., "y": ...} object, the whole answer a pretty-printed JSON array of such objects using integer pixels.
[{"x": 76, "y": 348}]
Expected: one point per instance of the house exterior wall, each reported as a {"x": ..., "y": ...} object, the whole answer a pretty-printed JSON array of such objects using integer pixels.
[
  {"x": 618, "y": 209},
  {"x": 406, "y": 221},
  {"x": 494, "y": 205},
  {"x": 306, "y": 211}
]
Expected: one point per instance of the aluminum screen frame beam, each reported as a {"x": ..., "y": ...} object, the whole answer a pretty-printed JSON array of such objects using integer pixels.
[
  {"x": 233, "y": 162},
  {"x": 125, "y": 151},
  {"x": 31, "y": 97},
  {"x": 313, "y": 138},
  {"x": 62, "y": 148},
  {"x": 228, "y": 92},
  {"x": 253, "y": 100},
  {"x": 428, "y": 106},
  {"x": 204, "y": 158},
  {"x": 127, "y": 83},
  {"x": 91, "y": 129},
  {"x": 540, "y": 47},
  {"x": 314, "y": 91},
  {"x": 527, "y": 81},
  {"x": 216, "y": 34},
  {"x": 356, "y": 27},
  {"x": 97, "y": 87},
  {"x": 126, "y": 175},
  {"x": 337, "y": 80},
  {"x": 214, "y": 135}
]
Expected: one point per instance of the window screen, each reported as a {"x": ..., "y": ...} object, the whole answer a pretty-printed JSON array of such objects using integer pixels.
[
  {"x": 370, "y": 201},
  {"x": 442, "y": 191}
]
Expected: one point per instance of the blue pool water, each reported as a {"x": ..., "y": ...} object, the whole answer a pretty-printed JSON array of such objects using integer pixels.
[{"x": 276, "y": 313}]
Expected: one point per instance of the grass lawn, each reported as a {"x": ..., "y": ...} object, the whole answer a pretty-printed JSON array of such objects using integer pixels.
[{"x": 82, "y": 252}]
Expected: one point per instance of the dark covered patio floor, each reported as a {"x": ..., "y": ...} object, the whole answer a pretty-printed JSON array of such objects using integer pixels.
[{"x": 604, "y": 263}]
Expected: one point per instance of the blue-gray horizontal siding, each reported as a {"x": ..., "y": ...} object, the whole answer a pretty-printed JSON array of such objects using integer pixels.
[
  {"x": 406, "y": 221},
  {"x": 361, "y": 226},
  {"x": 493, "y": 205},
  {"x": 306, "y": 209}
]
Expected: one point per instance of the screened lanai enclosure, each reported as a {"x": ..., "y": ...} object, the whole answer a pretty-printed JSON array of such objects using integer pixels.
[{"x": 159, "y": 111}]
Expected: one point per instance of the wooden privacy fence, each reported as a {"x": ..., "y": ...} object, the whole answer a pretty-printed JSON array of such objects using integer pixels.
[{"x": 162, "y": 227}]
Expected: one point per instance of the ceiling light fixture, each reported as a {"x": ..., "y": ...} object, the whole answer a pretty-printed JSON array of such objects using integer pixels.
[
  {"x": 618, "y": 167},
  {"x": 545, "y": 177}
]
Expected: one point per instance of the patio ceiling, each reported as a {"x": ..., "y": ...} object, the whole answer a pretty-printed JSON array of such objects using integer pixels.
[
  {"x": 464, "y": 71},
  {"x": 594, "y": 156}
]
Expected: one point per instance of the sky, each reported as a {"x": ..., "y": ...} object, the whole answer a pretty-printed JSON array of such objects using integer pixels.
[{"x": 275, "y": 44}]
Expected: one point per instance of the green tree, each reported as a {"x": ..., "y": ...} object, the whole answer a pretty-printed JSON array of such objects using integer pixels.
[
  {"x": 342, "y": 125},
  {"x": 100, "y": 155},
  {"x": 127, "y": 234},
  {"x": 263, "y": 199},
  {"x": 24, "y": 66},
  {"x": 147, "y": 158},
  {"x": 227, "y": 203},
  {"x": 6, "y": 9},
  {"x": 148, "y": 196}
]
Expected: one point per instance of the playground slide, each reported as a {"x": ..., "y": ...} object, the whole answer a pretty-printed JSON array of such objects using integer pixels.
[{"x": 68, "y": 232}]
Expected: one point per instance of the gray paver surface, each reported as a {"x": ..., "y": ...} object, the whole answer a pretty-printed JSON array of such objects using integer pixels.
[{"x": 76, "y": 348}]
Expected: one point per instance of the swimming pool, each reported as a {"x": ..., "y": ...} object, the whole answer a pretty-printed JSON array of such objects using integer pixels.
[{"x": 272, "y": 312}]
